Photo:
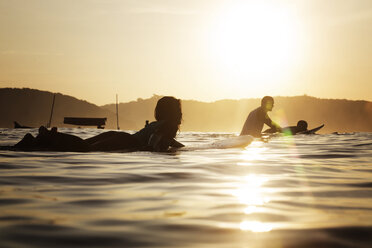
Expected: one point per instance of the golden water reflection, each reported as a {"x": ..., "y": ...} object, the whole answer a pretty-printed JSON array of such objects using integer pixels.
[
  {"x": 251, "y": 193},
  {"x": 253, "y": 153},
  {"x": 255, "y": 226}
]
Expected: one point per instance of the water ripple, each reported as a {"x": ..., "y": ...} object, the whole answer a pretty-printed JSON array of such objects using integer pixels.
[{"x": 302, "y": 191}]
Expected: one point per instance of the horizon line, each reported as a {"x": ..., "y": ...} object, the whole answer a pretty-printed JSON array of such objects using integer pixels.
[{"x": 183, "y": 99}]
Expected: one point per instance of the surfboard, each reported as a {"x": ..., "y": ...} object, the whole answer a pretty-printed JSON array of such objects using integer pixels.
[
  {"x": 312, "y": 131},
  {"x": 288, "y": 132},
  {"x": 233, "y": 142}
]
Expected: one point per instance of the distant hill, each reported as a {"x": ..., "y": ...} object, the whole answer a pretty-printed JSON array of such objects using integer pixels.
[{"x": 32, "y": 107}]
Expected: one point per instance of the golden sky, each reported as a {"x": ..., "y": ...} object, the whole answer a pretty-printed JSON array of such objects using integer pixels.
[{"x": 192, "y": 49}]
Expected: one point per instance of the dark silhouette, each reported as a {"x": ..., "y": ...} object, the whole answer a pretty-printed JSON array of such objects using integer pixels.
[
  {"x": 51, "y": 111},
  {"x": 156, "y": 136},
  {"x": 51, "y": 141},
  {"x": 301, "y": 128},
  {"x": 312, "y": 131},
  {"x": 291, "y": 130},
  {"x": 258, "y": 117}
]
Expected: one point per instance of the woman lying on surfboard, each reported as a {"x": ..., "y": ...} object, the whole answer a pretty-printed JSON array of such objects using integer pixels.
[
  {"x": 155, "y": 136},
  {"x": 301, "y": 128}
]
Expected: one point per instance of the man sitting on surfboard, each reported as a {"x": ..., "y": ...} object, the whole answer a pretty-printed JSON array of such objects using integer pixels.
[{"x": 258, "y": 117}]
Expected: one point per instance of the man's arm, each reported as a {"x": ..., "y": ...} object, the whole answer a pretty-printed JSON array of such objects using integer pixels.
[{"x": 271, "y": 124}]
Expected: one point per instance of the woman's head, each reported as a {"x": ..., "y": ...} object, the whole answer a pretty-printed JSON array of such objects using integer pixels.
[{"x": 168, "y": 109}]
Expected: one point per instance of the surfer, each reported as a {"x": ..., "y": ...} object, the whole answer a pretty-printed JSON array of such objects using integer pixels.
[
  {"x": 155, "y": 136},
  {"x": 301, "y": 127},
  {"x": 258, "y": 117}
]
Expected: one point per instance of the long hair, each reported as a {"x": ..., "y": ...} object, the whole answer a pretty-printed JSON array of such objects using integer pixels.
[{"x": 168, "y": 109}]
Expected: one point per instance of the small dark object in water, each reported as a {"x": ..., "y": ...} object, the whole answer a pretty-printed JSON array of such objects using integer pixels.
[
  {"x": 85, "y": 121},
  {"x": 17, "y": 125}
]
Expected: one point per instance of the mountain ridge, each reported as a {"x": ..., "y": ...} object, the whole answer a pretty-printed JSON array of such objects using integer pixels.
[{"x": 31, "y": 107}]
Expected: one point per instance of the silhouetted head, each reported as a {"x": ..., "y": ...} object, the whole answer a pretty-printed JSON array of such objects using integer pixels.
[
  {"x": 267, "y": 103},
  {"x": 301, "y": 126},
  {"x": 168, "y": 108}
]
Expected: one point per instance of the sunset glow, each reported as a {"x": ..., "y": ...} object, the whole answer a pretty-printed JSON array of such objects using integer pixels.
[
  {"x": 256, "y": 41},
  {"x": 202, "y": 50}
]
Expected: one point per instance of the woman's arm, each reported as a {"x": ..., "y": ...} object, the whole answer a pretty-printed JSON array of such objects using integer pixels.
[
  {"x": 159, "y": 143},
  {"x": 176, "y": 144}
]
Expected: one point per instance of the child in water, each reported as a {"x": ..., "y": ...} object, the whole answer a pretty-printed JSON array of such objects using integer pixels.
[{"x": 155, "y": 136}]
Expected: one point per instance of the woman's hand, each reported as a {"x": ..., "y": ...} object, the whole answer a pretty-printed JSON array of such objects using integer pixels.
[
  {"x": 158, "y": 143},
  {"x": 176, "y": 144}
]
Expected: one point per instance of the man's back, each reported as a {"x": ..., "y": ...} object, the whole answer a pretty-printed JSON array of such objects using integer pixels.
[{"x": 254, "y": 123}]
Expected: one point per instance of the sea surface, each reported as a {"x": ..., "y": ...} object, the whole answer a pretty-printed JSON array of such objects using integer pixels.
[{"x": 302, "y": 191}]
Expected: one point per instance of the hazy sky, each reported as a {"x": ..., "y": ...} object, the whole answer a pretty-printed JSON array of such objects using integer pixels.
[{"x": 192, "y": 49}]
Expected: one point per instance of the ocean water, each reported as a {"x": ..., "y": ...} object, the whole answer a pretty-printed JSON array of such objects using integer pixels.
[{"x": 303, "y": 191}]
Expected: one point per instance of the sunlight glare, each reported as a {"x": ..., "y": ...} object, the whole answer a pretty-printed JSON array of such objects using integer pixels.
[
  {"x": 256, "y": 41},
  {"x": 255, "y": 226},
  {"x": 250, "y": 192},
  {"x": 252, "y": 153}
]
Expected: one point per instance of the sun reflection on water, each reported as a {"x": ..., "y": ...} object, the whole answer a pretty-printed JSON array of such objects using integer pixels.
[
  {"x": 253, "y": 152},
  {"x": 251, "y": 193},
  {"x": 255, "y": 226}
]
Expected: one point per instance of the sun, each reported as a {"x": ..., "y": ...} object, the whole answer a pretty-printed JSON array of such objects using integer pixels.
[{"x": 255, "y": 41}]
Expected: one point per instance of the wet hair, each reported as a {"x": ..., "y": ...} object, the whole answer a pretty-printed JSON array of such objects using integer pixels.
[
  {"x": 266, "y": 99},
  {"x": 302, "y": 125},
  {"x": 168, "y": 109}
]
